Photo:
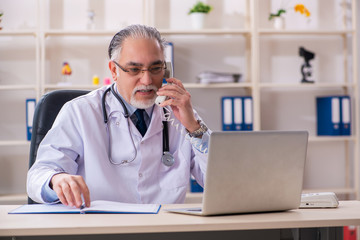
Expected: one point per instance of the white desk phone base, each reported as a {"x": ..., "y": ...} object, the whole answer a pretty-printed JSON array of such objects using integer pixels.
[{"x": 319, "y": 200}]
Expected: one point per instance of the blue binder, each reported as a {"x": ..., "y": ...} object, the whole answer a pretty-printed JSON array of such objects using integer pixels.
[
  {"x": 333, "y": 115},
  {"x": 248, "y": 113},
  {"x": 345, "y": 118},
  {"x": 227, "y": 113},
  {"x": 30, "y": 109},
  {"x": 237, "y": 113}
]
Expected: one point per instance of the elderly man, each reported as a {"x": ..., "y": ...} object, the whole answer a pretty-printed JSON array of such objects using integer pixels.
[{"x": 115, "y": 143}]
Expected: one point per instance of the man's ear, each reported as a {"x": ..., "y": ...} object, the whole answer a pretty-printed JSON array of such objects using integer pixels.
[{"x": 113, "y": 70}]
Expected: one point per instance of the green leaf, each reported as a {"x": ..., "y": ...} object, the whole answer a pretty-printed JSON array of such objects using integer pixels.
[
  {"x": 200, "y": 7},
  {"x": 278, "y": 14}
]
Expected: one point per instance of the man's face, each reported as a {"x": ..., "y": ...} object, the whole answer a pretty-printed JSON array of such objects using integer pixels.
[{"x": 139, "y": 90}]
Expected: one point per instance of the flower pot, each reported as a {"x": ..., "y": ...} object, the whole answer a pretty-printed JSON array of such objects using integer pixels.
[
  {"x": 279, "y": 23},
  {"x": 197, "y": 20}
]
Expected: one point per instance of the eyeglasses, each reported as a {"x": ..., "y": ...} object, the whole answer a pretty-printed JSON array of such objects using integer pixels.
[{"x": 133, "y": 71}]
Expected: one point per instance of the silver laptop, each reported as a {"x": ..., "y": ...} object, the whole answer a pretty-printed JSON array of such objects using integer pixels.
[{"x": 253, "y": 172}]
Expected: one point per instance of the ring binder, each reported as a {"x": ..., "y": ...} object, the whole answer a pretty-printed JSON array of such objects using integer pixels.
[{"x": 237, "y": 113}]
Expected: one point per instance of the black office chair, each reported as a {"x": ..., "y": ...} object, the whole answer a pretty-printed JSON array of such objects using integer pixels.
[{"x": 46, "y": 111}]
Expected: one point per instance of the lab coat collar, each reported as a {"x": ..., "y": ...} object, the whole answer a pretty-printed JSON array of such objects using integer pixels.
[
  {"x": 156, "y": 124},
  {"x": 112, "y": 104}
]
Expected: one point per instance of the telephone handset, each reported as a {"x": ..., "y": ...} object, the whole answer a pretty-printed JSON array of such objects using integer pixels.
[
  {"x": 168, "y": 74},
  {"x": 167, "y": 158}
]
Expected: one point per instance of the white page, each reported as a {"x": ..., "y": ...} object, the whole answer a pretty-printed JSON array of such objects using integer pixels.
[
  {"x": 45, "y": 208},
  {"x": 110, "y": 206}
]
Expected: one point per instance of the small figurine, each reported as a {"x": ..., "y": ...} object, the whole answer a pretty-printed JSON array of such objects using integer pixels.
[
  {"x": 95, "y": 80},
  {"x": 107, "y": 81},
  {"x": 66, "y": 71},
  {"x": 306, "y": 68}
]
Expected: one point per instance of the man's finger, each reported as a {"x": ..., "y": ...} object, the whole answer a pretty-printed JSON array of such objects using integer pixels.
[
  {"x": 85, "y": 192},
  {"x": 76, "y": 192},
  {"x": 61, "y": 196},
  {"x": 68, "y": 193}
]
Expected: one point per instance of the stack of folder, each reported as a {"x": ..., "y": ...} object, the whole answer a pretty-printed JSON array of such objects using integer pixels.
[
  {"x": 333, "y": 116},
  {"x": 237, "y": 113},
  {"x": 216, "y": 77}
]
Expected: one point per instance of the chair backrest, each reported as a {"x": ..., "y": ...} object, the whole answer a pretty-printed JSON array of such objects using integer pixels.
[{"x": 46, "y": 111}]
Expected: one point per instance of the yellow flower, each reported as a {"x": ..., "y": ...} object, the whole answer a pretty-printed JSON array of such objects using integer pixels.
[{"x": 302, "y": 9}]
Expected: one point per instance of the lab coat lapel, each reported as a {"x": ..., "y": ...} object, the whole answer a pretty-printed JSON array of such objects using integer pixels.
[
  {"x": 115, "y": 113},
  {"x": 113, "y": 105},
  {"x": 156, "y": 125}
]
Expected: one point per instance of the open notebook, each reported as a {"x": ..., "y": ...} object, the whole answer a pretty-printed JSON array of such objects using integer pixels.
[
  {"x": 253, "y": 172},
  {"x": 96, "y": 207}
]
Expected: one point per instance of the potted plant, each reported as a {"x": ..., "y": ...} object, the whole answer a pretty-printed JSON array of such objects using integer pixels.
[
  {"x": 279, "y": 22},
  {"x": 198, "y": 13}
]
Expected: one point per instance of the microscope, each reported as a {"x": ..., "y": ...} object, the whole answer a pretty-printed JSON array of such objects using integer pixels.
[{"x": 306, "y": 68}]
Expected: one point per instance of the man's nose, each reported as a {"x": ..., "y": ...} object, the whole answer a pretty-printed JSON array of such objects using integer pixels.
[{"x": 146, "y": 78}]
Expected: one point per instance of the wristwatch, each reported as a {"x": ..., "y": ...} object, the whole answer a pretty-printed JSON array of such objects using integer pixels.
[{"x": 199, "y": 132}]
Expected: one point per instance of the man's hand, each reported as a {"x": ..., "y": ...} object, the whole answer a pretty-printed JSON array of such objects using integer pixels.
[
  {"x": 180, "y": 102},
  {"x": 69, "y": 189}
]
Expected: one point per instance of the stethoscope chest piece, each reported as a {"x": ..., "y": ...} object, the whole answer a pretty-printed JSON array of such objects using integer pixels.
[{"x": 167, "y": 159}]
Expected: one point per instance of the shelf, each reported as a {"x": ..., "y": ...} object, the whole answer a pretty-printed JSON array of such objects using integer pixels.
[
  {"x": 13, "y": 199},
  {"x": 193, "y": 197},
  {"x": 204, "y": 32},
  {"x": 77, "y": 86},
  {"x": 59, "y": 32},
  {"x": 18, "y": 33},
  {"x": 218, "y": 85},
  {"x": 304, "y": 32},
  {"x": 18, "y": 87},
  {"x": 14, "y": 143},
  {"x": 306, "y": 85},
  {"x": 335, "y": 190},
  {"x": 197, "y": 197},
  {"x": 22, "y": 198},
  {"x": 331, "y": 138},
  {"x": 204, "y": 85},
  {"x": 186, "y": 85}
]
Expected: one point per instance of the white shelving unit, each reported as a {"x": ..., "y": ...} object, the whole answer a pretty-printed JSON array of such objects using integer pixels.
[
  {"x": 348, "y": 85},
  {"x": 52, "y": 45}
]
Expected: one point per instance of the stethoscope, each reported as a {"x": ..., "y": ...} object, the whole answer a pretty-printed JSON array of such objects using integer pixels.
[{"x": 167, "y": 158}]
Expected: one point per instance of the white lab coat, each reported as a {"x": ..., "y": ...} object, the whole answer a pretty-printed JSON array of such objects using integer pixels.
[{"x": 78, "y": 143}]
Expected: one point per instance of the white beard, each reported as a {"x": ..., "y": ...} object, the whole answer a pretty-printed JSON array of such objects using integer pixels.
[{"x": 144, "y": 103}]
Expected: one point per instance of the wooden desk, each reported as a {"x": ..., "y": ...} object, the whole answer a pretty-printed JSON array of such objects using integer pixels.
[{"x": 348, "y": 213}]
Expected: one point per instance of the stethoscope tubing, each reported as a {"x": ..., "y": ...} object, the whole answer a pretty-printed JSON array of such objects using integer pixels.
[{"x": 165, "y": 134}]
